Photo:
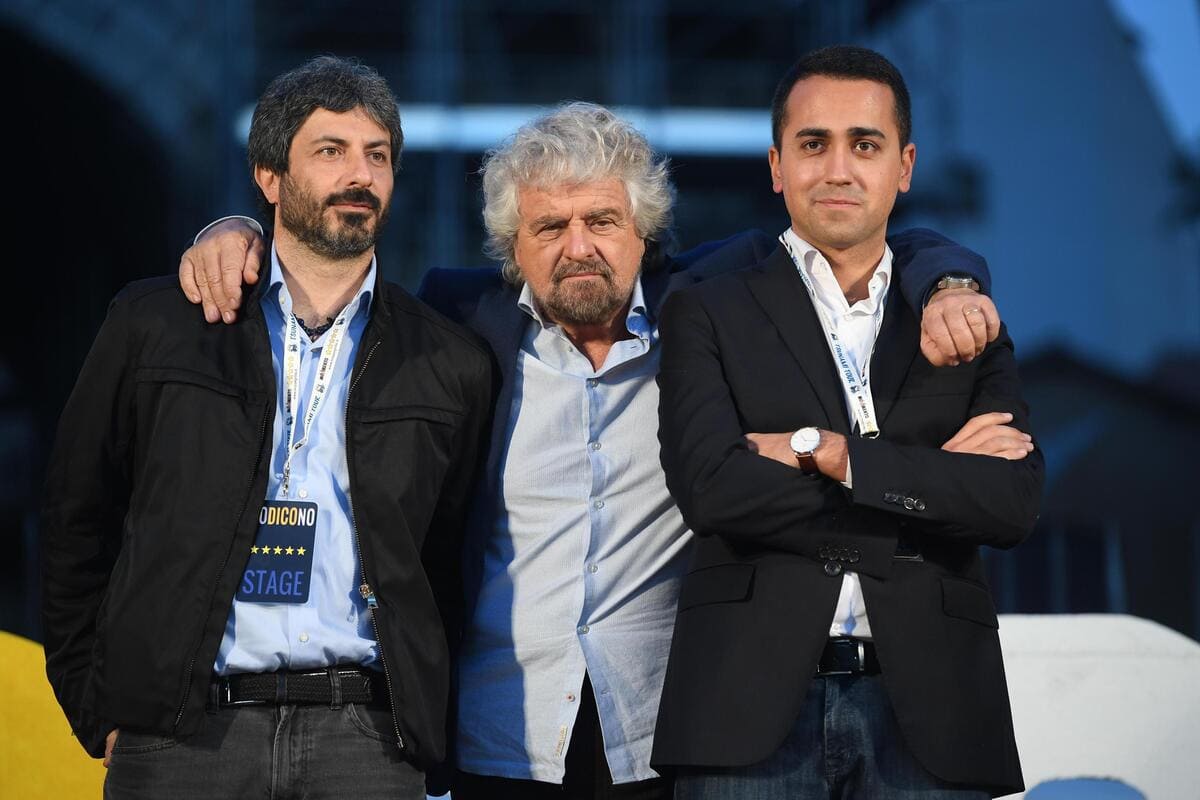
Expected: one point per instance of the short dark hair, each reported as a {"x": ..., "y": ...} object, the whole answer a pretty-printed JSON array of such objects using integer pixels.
[
  {"x": 848, "y": 63},
  {"x": 335, "y": 84}
]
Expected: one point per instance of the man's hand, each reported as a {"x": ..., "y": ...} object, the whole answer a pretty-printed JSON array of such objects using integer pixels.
[
  {"x": 212, "y": 270},
  {"x": 831, "y": 455},
  {"x": 987, "y": 435},
  {"x": 956, "y": 325},
  {"x": 109, "y": 741}
]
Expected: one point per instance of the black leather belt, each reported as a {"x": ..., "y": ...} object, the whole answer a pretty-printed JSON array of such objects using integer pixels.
[
  {"x": 333, "y": 687},
  {"x": 845, "y": 656}
]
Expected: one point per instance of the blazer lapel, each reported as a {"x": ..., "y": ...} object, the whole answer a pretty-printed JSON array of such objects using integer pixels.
[
  {"x": 781, "y": 293},
  {"x": 895, "y": 349}
]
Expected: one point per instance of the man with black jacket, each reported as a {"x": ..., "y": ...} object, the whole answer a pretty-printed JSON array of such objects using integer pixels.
[
  {"x": 836, "y": 637},
  {"x": 251, "y": 532}
]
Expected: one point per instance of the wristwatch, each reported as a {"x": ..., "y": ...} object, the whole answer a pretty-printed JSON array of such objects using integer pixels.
[
  {"x": 804, "y": 443},
  {"x": 956, "y": 282}
]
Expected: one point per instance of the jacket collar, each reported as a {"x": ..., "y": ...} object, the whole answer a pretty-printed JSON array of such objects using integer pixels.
[
  {"x": 781, "y": 294},
  {"x": 252, "y": 307},
  {"x": 661, "y": 275}
]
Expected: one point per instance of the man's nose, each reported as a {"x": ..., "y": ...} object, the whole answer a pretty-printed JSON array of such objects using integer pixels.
[
  {"x": 839, "y": 167},
  {"x": 358, "y": 170},
  {"x": 579, "y": 244}
]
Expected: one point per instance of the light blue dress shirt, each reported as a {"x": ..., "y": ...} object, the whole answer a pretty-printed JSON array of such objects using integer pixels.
[
  {"x": 333, "y": 626},
  {"x": 583, "y": 564}
]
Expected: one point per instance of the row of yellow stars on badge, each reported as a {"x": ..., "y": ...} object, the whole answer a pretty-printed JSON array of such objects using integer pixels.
[{"x": 279, "y": 551}]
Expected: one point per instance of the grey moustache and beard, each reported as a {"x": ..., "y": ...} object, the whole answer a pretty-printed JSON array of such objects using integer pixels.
[
  {"x": 350, "y": 235},
  {"x": 591, "y": 302}
]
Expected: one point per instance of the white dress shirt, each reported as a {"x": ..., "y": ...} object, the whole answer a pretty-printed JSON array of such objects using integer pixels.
[{"x": 857, "y": 326}]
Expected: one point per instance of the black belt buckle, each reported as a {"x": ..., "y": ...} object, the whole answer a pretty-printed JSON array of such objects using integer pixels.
[
  {"x": 225, "y": 696},
  {"x": 842, "y": 668},
  {"x": 849, "y": 657}
]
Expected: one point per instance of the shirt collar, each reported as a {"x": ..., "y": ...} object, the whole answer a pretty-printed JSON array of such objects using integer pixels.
[
  {"x": 636, "y": 320},
  {"x": 277, "y": 290},
  {"x": 816, "y": 267}
]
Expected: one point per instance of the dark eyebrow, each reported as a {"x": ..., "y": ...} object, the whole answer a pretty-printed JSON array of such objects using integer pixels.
[
  {"x": 861, "y": 133},
  {"x": 344, "y": 143},
  {"x": 820, "y": 133}
]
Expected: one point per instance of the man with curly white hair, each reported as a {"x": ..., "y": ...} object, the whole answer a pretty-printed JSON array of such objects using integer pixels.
[{"x": 575, "y": 548}]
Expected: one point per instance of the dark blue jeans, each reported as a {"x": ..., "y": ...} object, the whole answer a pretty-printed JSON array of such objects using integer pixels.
[
  {"x": 269, "y": 752},
  {"x": 845, "y": 744}
]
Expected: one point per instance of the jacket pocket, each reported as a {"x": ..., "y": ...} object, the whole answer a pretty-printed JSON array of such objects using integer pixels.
[
  {"x": 723, "y": 583},
  {"x": 444, "y": 416},
  {"x": 193, "y": 378},
  {"x": 968, "y": 600}
]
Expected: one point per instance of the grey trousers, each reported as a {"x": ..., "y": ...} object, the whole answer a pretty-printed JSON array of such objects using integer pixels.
[{"x": 268, "y": 752}]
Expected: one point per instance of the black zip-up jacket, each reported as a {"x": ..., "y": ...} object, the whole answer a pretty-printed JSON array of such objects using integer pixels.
[{"x": 158, "y": 474}]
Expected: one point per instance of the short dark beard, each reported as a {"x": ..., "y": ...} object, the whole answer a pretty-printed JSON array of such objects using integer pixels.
[
  {"x": 303, "y": 216},
  {"x": 585, "y": 303}
]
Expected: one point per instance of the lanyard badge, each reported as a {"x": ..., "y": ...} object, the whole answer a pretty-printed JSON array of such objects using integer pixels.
[
  {"x": 855, "y": 384},
  {"x": 281, "y": 559}
]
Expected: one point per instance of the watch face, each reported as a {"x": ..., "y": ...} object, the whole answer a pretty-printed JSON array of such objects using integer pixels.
[{"x": 806, "y": 440}]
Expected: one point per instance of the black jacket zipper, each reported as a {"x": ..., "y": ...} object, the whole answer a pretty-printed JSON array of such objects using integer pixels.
[{"x": 365, "y": 590}]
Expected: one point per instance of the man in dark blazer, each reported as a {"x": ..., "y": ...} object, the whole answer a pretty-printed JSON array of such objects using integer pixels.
[
  {"x": 575, "y": 548},
  {"x": 835, "y": 634}
]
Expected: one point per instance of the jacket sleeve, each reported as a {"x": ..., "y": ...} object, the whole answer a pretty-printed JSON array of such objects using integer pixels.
[
  {"x": 970, "y": 498},
  {"x": 921, "y": 257},
  {"x": 724, "y": 489},
  {"x": 441, "y": 556},
  {"x": 86, "y": 497}
]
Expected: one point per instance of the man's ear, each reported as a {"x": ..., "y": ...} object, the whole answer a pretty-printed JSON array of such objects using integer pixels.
[
  {"x": 268, "y": 182},
  {"x": 908, "y": 160},
  {"x": 773, "y": 158}
]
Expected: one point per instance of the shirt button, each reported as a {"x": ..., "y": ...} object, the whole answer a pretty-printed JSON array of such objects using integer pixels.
[
  {"x": 591, "y": 382},
  {"x": 570, "y": 698},
  {"x": 594, "y": 445},
  {"x": 592, "y": 568},
  {"x": 598, "y": 504},
  {"x": 583, "y": 629},
  {"x": 302, "y": 493},
  {"x": 304, "y": 637}
]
